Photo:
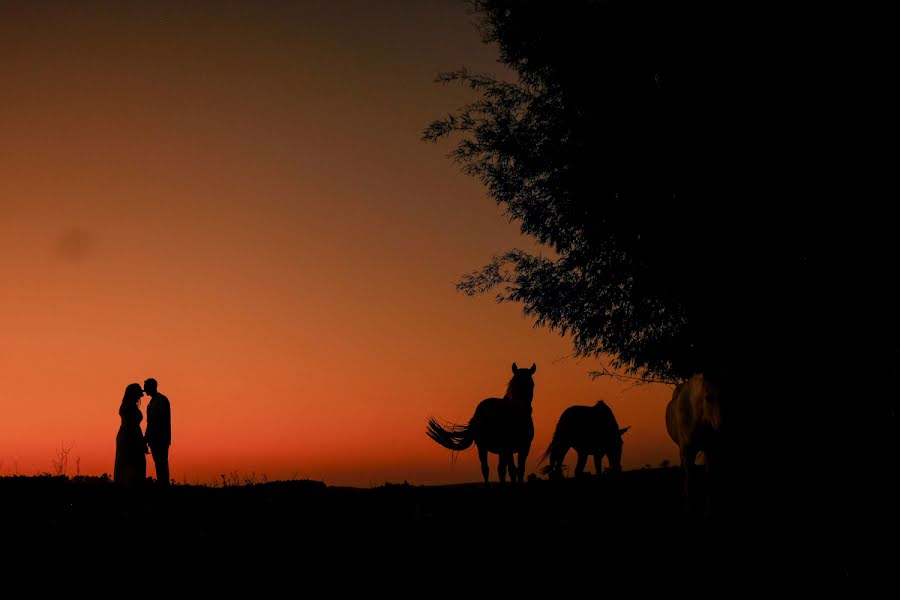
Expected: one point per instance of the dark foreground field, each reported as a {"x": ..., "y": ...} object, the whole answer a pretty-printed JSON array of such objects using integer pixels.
[{"x": 598, "y": 531}]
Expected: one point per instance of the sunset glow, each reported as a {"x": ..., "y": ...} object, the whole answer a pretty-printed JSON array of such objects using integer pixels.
[{"x": 237, "y": 203}]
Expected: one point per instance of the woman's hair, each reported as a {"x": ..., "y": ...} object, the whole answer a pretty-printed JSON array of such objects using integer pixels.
[{"x": 133, "y": 394}]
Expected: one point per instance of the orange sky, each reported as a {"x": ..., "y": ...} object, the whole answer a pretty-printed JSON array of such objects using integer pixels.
[{"x": 233, "y": 199}]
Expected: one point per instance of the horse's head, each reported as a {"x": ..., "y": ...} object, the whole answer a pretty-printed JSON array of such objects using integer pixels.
[
  {"x": 614, "y": 451},
  {"x": 521, "y": 386}
]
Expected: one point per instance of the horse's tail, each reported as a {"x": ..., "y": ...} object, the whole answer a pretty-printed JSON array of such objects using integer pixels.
[
  {"x": 554, "y": 442},
  {"x": 456, "y": 437},
  {"x": 544, "y": 455}
]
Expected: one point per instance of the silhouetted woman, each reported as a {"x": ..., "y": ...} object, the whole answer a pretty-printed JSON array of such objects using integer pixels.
[{"x": 131, "y": 459}]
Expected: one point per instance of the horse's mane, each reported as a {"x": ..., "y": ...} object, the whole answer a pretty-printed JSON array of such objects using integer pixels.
[
  {"x": 704, "y": 380},
  {"x": 509, "y": 388}
]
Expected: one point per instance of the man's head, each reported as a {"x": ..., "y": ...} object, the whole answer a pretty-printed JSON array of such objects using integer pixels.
[{"x": 150, "y": 386}]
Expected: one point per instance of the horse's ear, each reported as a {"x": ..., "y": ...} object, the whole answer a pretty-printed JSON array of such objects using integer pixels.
[
  {"x": 533, "y": 368},
  {"x": 515, "y": 368},
  {"x": 621, "y": 431}
]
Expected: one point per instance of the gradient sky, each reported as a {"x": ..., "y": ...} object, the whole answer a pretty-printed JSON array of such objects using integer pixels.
[{"x": 232, "y": 197}]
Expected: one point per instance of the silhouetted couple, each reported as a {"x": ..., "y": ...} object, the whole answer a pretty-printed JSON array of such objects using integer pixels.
[{"x": 132, "y": 445}]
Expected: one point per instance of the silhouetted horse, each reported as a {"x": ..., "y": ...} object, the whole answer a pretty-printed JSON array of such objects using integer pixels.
[
  {"x": 694, "y": 420},
  {"x": 500, "y": 425},
  {"x": 592, "y": 431}
]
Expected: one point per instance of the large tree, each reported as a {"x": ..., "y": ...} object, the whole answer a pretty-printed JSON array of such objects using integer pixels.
[{"x": 701, "y": 175}]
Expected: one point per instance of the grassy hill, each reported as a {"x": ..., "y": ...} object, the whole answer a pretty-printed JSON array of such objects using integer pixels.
[{"x": 626, "y": 528}]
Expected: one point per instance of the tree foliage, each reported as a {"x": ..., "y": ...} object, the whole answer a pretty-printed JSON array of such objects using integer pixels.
[{"x": 689, "y": 170}]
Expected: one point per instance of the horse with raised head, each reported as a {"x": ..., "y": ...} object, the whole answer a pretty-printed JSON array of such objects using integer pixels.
[
  {"x": 694, "y": 421},
  {"x": 591, "y": 431},
  {"x": 502, "y": 426}
]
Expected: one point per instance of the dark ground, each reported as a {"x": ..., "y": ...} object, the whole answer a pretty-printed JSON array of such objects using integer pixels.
[{"x": 90, "y": 533}]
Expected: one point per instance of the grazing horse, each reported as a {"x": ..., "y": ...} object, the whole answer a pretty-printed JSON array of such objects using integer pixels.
[
  {"x": 592, "y": 431},
  {"x": 500, "y": 425},
  {"x": 694, "y": 421}
]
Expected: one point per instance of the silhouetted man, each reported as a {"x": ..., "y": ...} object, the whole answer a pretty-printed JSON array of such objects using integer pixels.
[{"x": 159, "y": 430}]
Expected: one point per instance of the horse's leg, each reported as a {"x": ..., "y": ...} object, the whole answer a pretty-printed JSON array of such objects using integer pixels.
[
  {"x": 483, "y": 457},
  {"x": 523, "y": 456},
  {"x": 502, "y": 466},
  {"x": 557, "y": 456},
  {"x": 707, "y": 492},
  {"x": 710, "y": 483},
  {"x": 582, "y": 460},
  {"x": 687, "y": 463},
  {"x": 598, "y": 463}
]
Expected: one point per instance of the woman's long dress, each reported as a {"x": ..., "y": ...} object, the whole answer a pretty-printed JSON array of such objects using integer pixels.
[{"x": 131, "y": 460}]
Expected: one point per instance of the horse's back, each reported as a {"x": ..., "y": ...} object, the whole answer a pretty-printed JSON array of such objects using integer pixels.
[
  {"x": 574, "y": 415},
  {"x": 586, "y": 427},
  {"x": 500, "y": 425},
  {"x": 489, "y": 409}
]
